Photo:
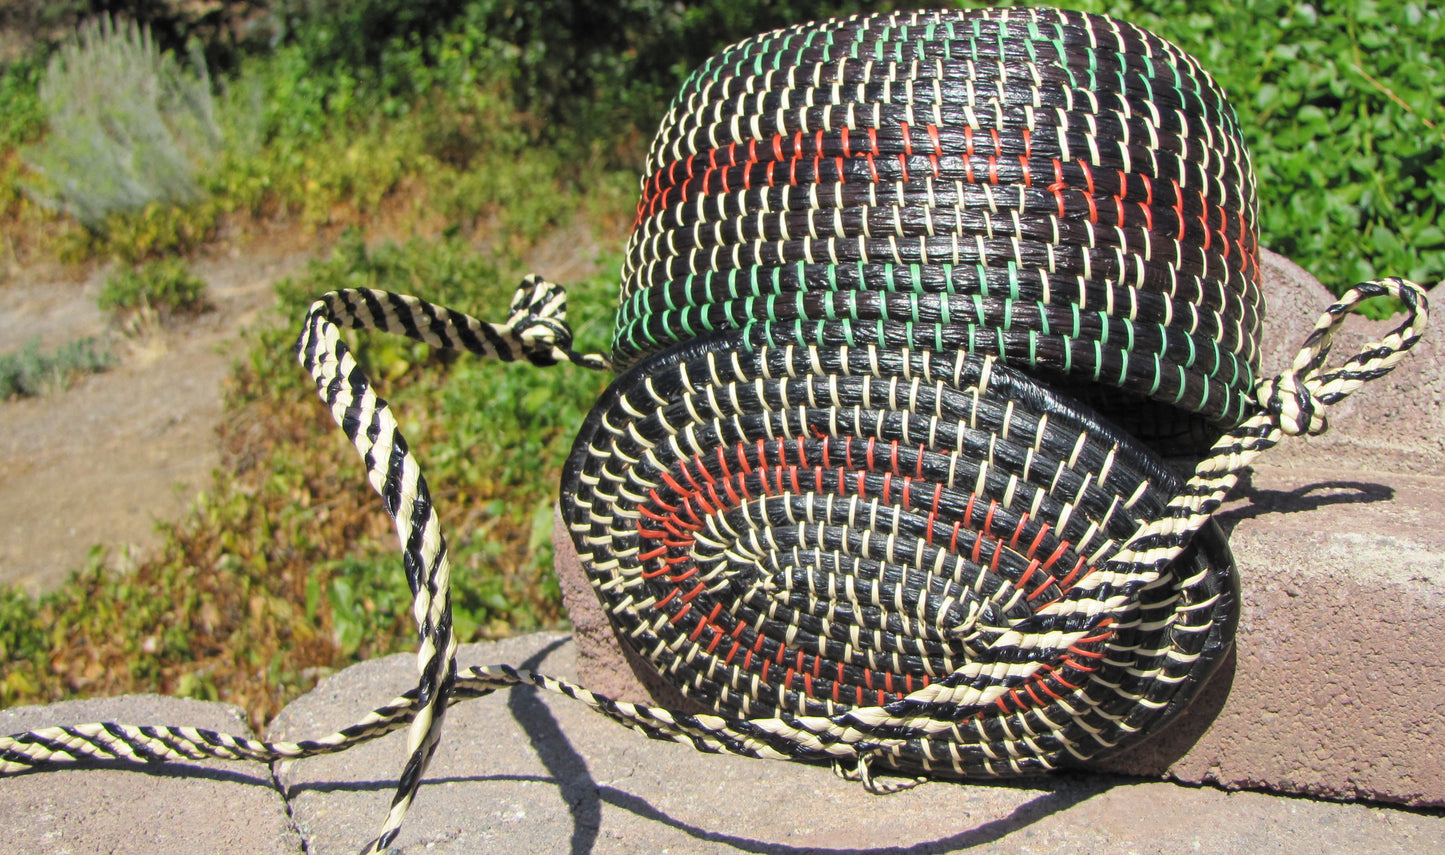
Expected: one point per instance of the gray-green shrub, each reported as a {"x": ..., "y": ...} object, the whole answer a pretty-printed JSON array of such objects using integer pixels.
[
  {"x": 30, "y": 371},
  {"x": 128, "y": 125}
]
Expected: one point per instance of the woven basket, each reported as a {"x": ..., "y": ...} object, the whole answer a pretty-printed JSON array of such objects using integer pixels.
[
  {"x": 914, "y": 308},
  {"x": 807, "y": 531},
  {"x": 1063, "y": 191},
  {"x": 858, "y": 497}
]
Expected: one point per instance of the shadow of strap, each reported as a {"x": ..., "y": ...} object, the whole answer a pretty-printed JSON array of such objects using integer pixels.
[{"x": 1288, "y": 405}]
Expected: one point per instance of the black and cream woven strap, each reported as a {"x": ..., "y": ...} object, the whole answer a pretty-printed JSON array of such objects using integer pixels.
[
  {"x": 536, "y": 329},
  {"x": 913, "y": 307},
  {"x": 972, "y": 719}
]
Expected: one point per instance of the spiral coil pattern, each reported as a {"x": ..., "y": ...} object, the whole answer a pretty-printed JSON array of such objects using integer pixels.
[
  {"x": 1065, "y": 192},
  {"x": 804, "y": 532},
  {"x": 827, "y": 483}
]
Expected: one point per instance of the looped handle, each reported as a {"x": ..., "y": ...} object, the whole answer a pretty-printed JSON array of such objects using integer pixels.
[
  {"x": 536, "y": 328},
  {"x": 538, "y": 318},
  {"x": 1290, "y": 404},
  {"x": 1294, "y": 400},
  {"x": 1288, "y": 400}
]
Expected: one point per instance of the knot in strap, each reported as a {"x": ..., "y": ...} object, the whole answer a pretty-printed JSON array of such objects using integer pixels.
[
  {"x": 537, "y": 318},
  {"x": 1291, "y": 404},
  {"x": 1295, "y": 400},
  {"x": 540, "y": 336},
  {"x": 1287, "y": 400}
]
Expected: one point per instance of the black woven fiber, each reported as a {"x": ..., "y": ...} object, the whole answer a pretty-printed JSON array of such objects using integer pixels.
[
  {"x": 858, "y": 493},
  {"x": 790, "y": 532},
  {"x": 1063, "y": 191}
]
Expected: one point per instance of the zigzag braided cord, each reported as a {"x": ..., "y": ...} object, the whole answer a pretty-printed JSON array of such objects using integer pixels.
[
  {"x": 1290, "y": 404},
  {"x": 536, "y": 329},
  {"x": 393, "y": 473}
]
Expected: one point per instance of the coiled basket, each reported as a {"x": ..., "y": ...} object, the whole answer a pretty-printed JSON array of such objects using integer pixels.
[
  {"x": 912, "y": 307},
  {"x": 938, "y": 349}
]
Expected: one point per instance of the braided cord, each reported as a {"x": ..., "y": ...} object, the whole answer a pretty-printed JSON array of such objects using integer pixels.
[
  {"x": 536, "y": 329},
  {"x": 1288, "y": 405},
  {"x": 922, "y": 723},
  {"x": 840, "y": 496}
]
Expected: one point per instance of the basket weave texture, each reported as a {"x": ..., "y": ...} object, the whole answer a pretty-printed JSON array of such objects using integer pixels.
[{"x": 911, "y": 303}]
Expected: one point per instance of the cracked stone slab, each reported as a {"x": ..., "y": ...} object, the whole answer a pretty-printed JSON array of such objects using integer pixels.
[
  {"x": 212, "y": 807},
  {"x": 525, "y": 771}
]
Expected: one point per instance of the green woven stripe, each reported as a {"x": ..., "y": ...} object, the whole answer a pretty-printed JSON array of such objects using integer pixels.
[{"x": 986, "y": 149}]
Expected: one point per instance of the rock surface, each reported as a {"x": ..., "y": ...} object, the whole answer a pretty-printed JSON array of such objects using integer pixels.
[
  {"x": 213, "y": 807},
  {"x": 524, "y": 771}
]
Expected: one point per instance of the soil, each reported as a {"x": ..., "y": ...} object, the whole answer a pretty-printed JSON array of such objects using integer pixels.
[{"x": 103, "y": 461}]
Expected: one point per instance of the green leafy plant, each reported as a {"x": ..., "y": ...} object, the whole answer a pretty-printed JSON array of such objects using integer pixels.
[
  {"x": 128, "y": 126},
  {"x": 287, "y": 568},
  {"x": 22, "y": 116},
  {"x": 1341, "y": 106},
  {"x": 156, "y": 231},
  {"x": 161, "y": 287},
  {"x": 31, "y": 372}
]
